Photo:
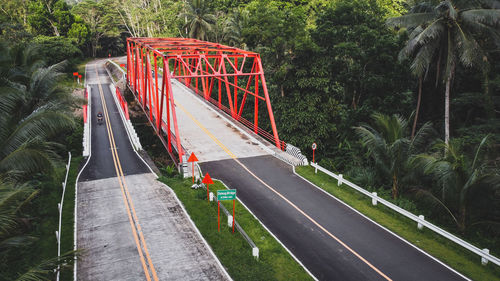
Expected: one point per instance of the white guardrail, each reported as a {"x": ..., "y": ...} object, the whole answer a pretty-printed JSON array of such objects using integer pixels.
[
  {"x": 60, "y": 207},
  {"x": 420, "y": 220}
]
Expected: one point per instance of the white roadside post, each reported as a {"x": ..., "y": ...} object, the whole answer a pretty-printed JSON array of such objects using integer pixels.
[
  {"x": 484, "y": 261},
  {"x": 374, "y": 199},
  {"x": 211, "y": 196},
  {"x": 255, "y": 252},
  {"x": 229, "y": 221},
  {"x": 421, "y": 219},
  {"x": 340, "y": 180}
]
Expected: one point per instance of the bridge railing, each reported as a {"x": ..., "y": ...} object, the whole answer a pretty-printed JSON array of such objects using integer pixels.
[
  {"x": 420, "y": 220},
  {"x": 257, "y": 130}
]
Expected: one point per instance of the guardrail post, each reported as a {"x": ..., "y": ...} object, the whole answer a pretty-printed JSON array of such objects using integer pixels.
[
  {"x": 420, "y": 220},
  {"x": 316, "y": 169},
  {"x": 374, "y": 199},
  {"x": 229, "y": 220},
  {"x": 255, "y": 252},
  {"x": 484, "y": 261},
  {"x": 340, "y": 180}
]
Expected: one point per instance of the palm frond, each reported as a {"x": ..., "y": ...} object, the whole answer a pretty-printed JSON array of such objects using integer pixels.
[
  {"x": 41, "y": 124},
  {"x": 46, "y": 269},
  {"x": 412, "y": 20},
  {"x": 31, "y": 157},
  {"x": 431, "y": 33},
  {"x": 489, "y": 17},
  {"x": 478, "y": 151},
  {"x": 425, "y": 193},
  {"x": 15, "y": 242}
]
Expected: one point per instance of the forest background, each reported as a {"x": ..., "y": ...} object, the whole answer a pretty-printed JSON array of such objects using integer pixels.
[{"x": 403, "y": 97}]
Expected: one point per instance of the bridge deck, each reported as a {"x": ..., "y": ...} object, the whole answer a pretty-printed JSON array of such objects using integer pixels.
[
  {"x": 190, "y": 110},
  {"x": 333, "y": 241}
]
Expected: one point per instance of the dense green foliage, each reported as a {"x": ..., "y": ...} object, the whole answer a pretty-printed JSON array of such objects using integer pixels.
[
  {"x": 428, "y": 67},
  {"x": 445, "y": 250},
  {"x": 274, "y": 262},
  {"x": 35, "y": 116}
]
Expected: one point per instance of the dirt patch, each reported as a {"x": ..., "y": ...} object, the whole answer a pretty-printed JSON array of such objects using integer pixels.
[{"x": 79, "y": 95}]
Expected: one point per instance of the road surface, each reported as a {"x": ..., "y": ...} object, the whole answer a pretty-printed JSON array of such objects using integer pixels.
[{"x": 129, "y": 225}]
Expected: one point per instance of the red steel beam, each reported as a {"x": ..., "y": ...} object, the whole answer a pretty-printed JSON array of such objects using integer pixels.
[{"x": 203, "y": 66}]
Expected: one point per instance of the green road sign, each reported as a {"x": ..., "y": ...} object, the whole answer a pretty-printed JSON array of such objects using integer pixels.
[{"x": 228, "y": 194}]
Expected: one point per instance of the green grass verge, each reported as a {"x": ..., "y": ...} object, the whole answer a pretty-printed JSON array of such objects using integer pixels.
[
  {"x": 45, "y": 221},
  {"x": 443, "y": 249},
  {"x": 274, "y": 263}
]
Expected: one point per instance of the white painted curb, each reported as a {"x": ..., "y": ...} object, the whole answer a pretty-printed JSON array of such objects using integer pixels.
[{"x": 132, "y": 135}]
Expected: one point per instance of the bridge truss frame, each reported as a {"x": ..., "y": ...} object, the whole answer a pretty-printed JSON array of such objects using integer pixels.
[{"x": 201, "y": 66}]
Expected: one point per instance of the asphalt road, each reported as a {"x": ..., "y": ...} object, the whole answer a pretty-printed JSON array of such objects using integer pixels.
[
  {"x": 101, "y": 164},
  {"x": 327, "y": 259},
  {"x": 117, "y": 213}
]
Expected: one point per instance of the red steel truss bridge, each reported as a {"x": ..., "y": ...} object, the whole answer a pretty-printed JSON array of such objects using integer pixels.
[{"x": 225, "y": 76}]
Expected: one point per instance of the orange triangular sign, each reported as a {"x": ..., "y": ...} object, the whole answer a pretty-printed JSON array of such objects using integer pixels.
[
  {"x": 192, "y": 158},
  {"x": 207, "y": 179}
]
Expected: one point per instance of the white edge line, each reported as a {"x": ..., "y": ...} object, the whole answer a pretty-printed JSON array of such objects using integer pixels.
[
  {"x": 383, "y": 227},
  {"x": 252, "y": 138},
  {"x": 197, "y": 231},
  {"x": 266, "y": 149},
  {"x": 272, "y": 234},
  {"x": 89, "y": 118},
  {"x": 262, "y": 146}
]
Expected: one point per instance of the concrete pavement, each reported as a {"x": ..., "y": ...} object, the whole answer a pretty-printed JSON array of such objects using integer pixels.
[{"x": 113, "y": 210}]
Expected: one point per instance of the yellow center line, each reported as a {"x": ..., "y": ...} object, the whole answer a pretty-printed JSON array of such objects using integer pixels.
[
  {"x": 126, "y": 195},
  {"x": 279, "y": 194}
]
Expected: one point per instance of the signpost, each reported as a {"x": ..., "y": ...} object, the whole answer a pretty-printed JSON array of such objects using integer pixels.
[
  {"x": 314, "y": 146},
  {"x": 193, "y": 159},
  {"x": 75, "y": 74},
  {"x": 79, "y": 77},
  {"x": 207, "y": 180},
  {"x": 224, "y": 195}
]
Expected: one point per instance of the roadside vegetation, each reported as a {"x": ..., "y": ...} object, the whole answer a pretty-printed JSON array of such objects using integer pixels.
[
  {"x": 274, "y": 262},
  {"x": 439, "y": 247},
  {"x": 37, "y": 129},
  {"x": 401, "y": 96},
  {"x": 235, "y": 254}
]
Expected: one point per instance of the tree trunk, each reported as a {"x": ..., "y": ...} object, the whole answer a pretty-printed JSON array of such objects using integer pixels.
[
  {"x": 394, "y": 187},
  {"x": 447, "y": 104},
  {"x": 418, "y": 107},
  {"x": 54, "y": 27},
  {"x": 438, "y": 67}
]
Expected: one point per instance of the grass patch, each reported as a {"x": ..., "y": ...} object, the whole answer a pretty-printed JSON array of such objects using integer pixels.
[
  {"x": 443, "y": 249},
  {"x": 274, "y": 263},
  {"x": 44, "y": 221},
  {"x": 69, "y": 80}
]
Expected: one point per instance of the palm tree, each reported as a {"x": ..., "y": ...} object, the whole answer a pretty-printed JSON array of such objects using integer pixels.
[
  {"x": 233, "y": 28},
  {"x": 199, "y": 19},
  {"x": 449, "y": 29},
  {"x": 12, "y": 198},
  {"x": 13, "y": 229},
  {"x": 33, "y": 109},
  {"x": 390, "y": 147},
  {"x": 460, "y": 178}
]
